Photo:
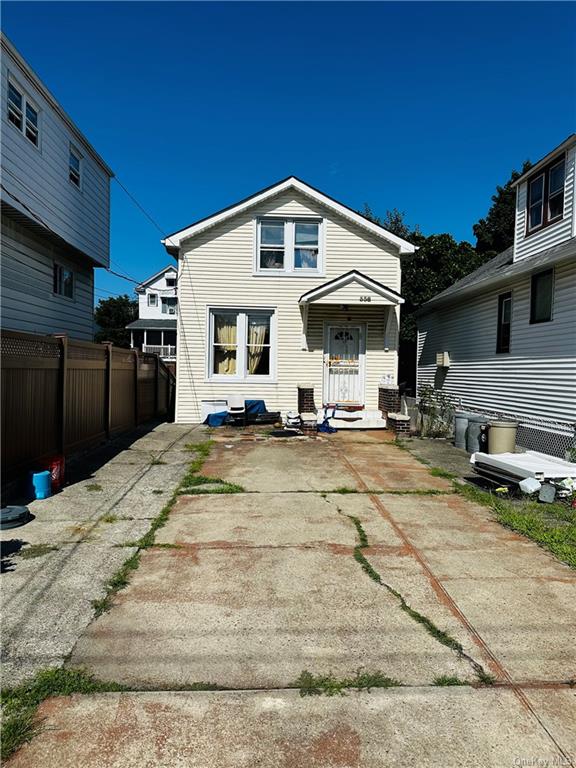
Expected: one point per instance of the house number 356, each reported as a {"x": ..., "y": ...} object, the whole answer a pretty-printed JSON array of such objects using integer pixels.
[{"x": 365, "y": 298}]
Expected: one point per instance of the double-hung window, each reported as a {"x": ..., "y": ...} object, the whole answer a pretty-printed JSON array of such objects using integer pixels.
[
  {"x": 22, "y": 113},
  {"x": 63, "y": 281},
  {"x": 289, "y": 246},
  {"x": 241, "y": 344},
  {"x": 504, "y": 322},
  {"x": 169, "y": 306},
  {"x": 152, "y": 299},
  {"x": 541, "y": 296},
  {"x": 545, "y": 202},
  {"x": 74, "y": 167}
]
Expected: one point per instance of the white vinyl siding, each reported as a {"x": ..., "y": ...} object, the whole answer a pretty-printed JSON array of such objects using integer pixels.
[
  {"x": 38, "y": 177},
  {"x": 555, "y": 233},
  {"x": 216, "y": 268},
  {"x": 28, "y": 302},
  {"x": 536, "y": 378},
  {"x": 150, "y": 308}
]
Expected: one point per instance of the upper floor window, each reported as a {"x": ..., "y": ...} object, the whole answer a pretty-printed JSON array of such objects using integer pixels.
[
  {"x": 504, "y": 322},
  {"x": 63, "y": 281},
  {"x": 169, "y": 306},
  {"x": 289, "y": 246},
  {"x": 74, "y": 167},
  {"x": 542, "y": 296},
  {"x": 170, "y": 282},
  {"x": 152, "y": 299},
  {"x": 546, "y": 196},
  {"x": 22, "y": 113}
]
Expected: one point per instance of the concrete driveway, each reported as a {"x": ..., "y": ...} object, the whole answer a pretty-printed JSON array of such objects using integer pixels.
[{"x": 342, "y": 554}]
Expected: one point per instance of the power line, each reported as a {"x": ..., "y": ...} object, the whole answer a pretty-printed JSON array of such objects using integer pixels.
[{"x": 142, "y": 209}]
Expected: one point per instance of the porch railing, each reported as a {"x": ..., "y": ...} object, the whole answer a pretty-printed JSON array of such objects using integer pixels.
[{"x": 163, "y": 350}]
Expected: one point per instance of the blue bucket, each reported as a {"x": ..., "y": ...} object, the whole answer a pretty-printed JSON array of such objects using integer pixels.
[{"x": 41, "y": 484}]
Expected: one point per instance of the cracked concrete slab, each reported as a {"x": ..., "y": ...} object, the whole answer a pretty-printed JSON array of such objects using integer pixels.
[
  {"x": 257, "y": 617},
  {"x": 273, "y": 466},
  {"x": 274, "y": 519},
  {"x": 424, "y": 727}
]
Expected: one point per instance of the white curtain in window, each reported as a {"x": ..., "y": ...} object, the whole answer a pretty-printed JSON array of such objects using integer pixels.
[
  {"x": 257, "y": 328},
  {"x": 225, "y": 338}
]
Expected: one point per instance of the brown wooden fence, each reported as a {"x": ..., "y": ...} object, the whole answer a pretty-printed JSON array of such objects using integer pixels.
[{"x": 61, "y": 396}]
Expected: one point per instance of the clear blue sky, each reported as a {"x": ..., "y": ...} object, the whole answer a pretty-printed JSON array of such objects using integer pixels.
[{"x": 420, "y": 106}]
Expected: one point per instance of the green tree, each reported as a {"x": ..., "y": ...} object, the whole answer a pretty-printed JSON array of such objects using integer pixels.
[
  {"x": 495, "y": 233},
  {"x": 112, "y": 316}
]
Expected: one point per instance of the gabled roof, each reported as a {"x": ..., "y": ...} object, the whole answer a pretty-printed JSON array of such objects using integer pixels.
[
  {"x": 172, "y": 242},
  {"x": 566, "y": 144},
  {"x": 499, "y": 270},
  {"x": 350, "y": 277},
  {"x": 142, "y": 286}
]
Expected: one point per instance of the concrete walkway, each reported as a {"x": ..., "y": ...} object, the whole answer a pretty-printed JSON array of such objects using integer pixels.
[
  {"x": 55, "y": 566},
  {"x": 246, "y": 591}
]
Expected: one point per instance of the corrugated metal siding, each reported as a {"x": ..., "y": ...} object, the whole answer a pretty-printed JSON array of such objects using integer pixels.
[
  {"x": 554, "y": 234},
  {"x": 27, "y": 301},
  {"x": 39, "y": 176},
  {"x": 217, "y": 269},
  {"x": 537, "y": 378}
]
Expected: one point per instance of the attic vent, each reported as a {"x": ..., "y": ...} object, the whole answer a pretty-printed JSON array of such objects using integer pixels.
[{"x": 443, "y": 359}]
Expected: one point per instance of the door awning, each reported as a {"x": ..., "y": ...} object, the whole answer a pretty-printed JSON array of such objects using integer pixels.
[{"x": 352, "y": 288}]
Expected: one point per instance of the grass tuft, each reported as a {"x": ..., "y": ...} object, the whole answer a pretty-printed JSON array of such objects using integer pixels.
[
  {"x": 445, "y": 680},
  {"x": 94, "y": 487},
  {"x": 328, "y": 685},
  {"x": 157, "y": 491},
  {"x": 109, "y": 518},
  {"x": 344, "y": 489},
  {"x": 36, "y": 550},
  {"x": 117, "y": 582},
  {"x": 439, "y": 472},
  {"x": 485, "y": 677}
]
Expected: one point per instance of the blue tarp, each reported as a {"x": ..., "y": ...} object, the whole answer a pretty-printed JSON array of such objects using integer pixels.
[{"x": 252, "y": 407}]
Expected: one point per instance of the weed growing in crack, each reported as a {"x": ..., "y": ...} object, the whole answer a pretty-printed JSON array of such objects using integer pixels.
[
  {"x": 445, "y": 680},
  {"x": 94, "y": 487},
  {"x": 118, "y": 581},
  {"x": 109, "y": 518},
  {"x": 329, "y": 685},
  {"x": 344, "y": 489},
  {"x": 484, "y": 677},
  {"x": 36, "y": 550},
  {"x": 157, "y": 491},
  {"x": 439, "y": 472},
  {"x": 366, "y": 567},
  {"x": 156, "y": 461},
  {"x": 362, "y": 537}
]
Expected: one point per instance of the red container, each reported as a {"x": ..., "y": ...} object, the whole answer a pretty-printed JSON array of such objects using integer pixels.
[{"x": 56, "y": 468}]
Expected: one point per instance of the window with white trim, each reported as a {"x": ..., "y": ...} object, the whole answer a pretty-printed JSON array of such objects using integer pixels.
[
  {"x": 289, "y": 246},
  {"x": 170, "y": 282},
  {"x": 74, "y": 167},
  {"x": 152, "y": 299},
  {"x": 241, "y": 344},
  {"x": 22, "y": 113},
  {"x": 169, "y": 305},
  {"x": 63, "y": 281}
]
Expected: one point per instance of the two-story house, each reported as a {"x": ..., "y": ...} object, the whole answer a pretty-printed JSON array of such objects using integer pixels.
[
  {"x": 55, "y": 209},
  {"x": 509, "y": 328},
  {"x": 286, "y": 291},
  {"x": 155, "y": 329}
]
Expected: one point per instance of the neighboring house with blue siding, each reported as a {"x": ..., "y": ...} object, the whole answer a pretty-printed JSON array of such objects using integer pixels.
[
  {"x": 509, "y": 328},
  {"x": 55, "y": 209}
]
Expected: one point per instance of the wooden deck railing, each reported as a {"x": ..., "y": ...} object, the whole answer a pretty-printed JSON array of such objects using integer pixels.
[{"x": 61, "y": 395}]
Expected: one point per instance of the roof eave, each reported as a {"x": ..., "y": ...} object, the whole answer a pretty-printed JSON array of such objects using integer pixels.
[{"x": 566, "y": 144}]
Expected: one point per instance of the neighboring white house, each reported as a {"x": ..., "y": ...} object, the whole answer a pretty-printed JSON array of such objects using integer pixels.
[
  {"x": 55, "y": 209},
  {"x": 285, "y": 288},
  {"x": 155, "y": 329},
  {"x": 509, "y": 328}
]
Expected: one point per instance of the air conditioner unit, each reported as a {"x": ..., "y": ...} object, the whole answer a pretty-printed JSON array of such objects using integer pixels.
[{"x": 443, "y": 359}]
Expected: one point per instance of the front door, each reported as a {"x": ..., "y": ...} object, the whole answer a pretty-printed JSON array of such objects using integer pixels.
[{"x": 343, "y": 366}]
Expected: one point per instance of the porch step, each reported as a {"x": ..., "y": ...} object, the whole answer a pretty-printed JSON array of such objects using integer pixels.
[{"x": 353, "y": 419}]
